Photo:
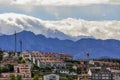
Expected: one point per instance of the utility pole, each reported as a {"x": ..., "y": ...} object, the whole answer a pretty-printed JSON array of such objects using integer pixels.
[
  {"x": 88, "y": 56},
  {"x": 15, "y": 36},
  {"x": 88, "y": 60},
  {"x": 16, "y": 55},
  {"x": 20, "y": 45}
]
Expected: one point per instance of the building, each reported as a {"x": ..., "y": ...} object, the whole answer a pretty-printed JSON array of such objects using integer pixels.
[
  {"x": 99, "y": 70},
  {"x": 9, "y": 60},
  {"x": 26, "y": 55},
  {"x": 85, "y": 64},
  {"x": 47, "y": 59},
  {"x": 97, "y": 74},
  {"x": 23, "y": 69},
  {"x": 84, "y": 77},
  {"x": 65, "y": 57},
  {"x": 116, "y": 74},
  {"x": 55, "y": 56},
  {"x": 51, "y": 77},
  {"x": 51, "y": 63},
  {"x": 20, "y": 69}
]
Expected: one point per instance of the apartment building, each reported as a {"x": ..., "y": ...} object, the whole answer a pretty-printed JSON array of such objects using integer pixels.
[
  {"x": 20, "y": 69},
  {"x": 44, "y": 60},
  {"x": 97, "y": 74}
]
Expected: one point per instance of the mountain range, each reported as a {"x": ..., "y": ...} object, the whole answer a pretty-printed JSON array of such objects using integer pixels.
[
  {"x": 71, "y": 36},
  {"x": 96, "y": 47}
]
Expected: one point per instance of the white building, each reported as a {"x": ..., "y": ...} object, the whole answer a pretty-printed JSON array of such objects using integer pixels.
[
  {"x": 51, "y": 77},
  {"x": 43, "y": 60},
  {"x": 26, "y": 55},
  {"x": 51, "y": 63}
]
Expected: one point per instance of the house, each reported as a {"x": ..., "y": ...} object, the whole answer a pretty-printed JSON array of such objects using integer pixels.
[
  {"x": 61, "y": 71},
  {"x": 111, "y": 65},
  {"x": 116, "y": 74},
  {"x": 51, "y": 77},
  {"x": 64, "y": 71},
  {"x": 9, "y": 60},
  {"x": 26, "y": 55},
  {"x": 84, "y": 77},
  {"x": 5, "y": 54},
  {"x": 73, "y": 73},
  {"x": 85, "y": 64},
  {"x": 97, "y": 74},
  {"x": 50, "y": 62},
  {"x": 49, "y": 55},
  {"x": 20, "y": 69},
  {"x": 49, "y": 59},
  {"x": 65, "y": 57},
  {"x": 101, "y": 74},
  {"x": 23, "y": 69}
]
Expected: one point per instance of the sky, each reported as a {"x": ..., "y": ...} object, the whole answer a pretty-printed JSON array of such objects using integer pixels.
[
  {"x": 92, "y": 10},
  {"x": 63, "y": 19}
]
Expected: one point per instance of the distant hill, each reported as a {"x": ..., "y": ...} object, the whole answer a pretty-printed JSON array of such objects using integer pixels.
[{"x": 97, "y": 48}]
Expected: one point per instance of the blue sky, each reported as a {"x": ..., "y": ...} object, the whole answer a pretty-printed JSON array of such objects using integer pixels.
[{"x": 96, "y": 10}]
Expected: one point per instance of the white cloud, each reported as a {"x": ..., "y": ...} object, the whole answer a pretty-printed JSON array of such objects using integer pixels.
[
  {"x": 62, "y": 29},
  {"x": 56, "y": 2},
  {"x": 59, "y": 2},
  {"x": 97, "y": 29},
  {"x": 115, "y": 1}
]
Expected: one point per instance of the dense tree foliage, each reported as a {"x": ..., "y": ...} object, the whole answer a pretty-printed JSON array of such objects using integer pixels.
[
  {"x": 7, "y": 68},
  {"x": 18, "y": 77},
  {"x": 1, "y": 55},
  {"x": 12, "y": 77},
  {"x": 36, "y": 77}
]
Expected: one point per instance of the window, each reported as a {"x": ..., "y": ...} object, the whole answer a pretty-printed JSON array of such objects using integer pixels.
[
  {"x": 96, "y": 75},
  {"x": 107, "y": 77},
  {"x": 103, "y": 75}
]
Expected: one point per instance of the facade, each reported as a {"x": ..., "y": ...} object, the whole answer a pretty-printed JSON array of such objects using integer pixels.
[
  {"x": 99, "y": 70},
  {"x": 51, "y": 77},
  {"x": 50, "y": 63},
  {"x": 84, "y": 77},
  {"x": 55, "y": 56},
  {"x": 20, "y": 69},
  {"x": 101, "y": 74},
  {"x": 26, "y": 55},
  {"x": 65, "y": 57},
  {"x": 97, "y": 74},
  {"x": 47, "y": 59},
  {"x": 116, "y": 74},
  {"x": 61, "y": 71},
  {"x": 23, "y": 69},
  {"x": 9, "y": 60},
  {"x": 85, "y": 64}
]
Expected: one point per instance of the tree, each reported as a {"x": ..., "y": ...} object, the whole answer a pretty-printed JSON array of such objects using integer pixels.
[
  {"x": 18, "y": 77},
  {"x": 5, "y": 69},
  {"x": 22, "y": 60},
  {"x": 0, "y": 70},
  {"x": 36, "y": 77},
  {"x": 10, "y": 67},
  {"x": 1, "y": 55},
  {"x": 79, "y": 70},
  {"x": 12, "y": 77},
  {"x": 63, "y": 78}
]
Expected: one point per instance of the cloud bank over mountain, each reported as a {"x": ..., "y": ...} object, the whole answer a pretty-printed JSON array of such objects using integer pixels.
[{"x": 70, "y": 28}]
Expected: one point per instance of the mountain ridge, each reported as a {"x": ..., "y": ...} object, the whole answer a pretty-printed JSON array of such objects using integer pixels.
[{"x": 32, "y": 42}]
